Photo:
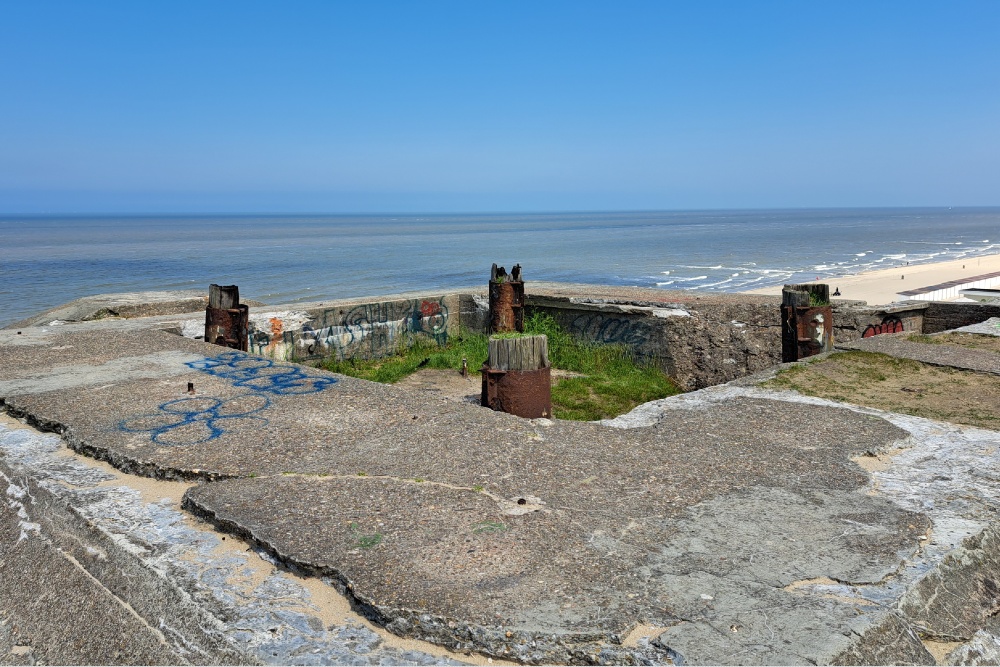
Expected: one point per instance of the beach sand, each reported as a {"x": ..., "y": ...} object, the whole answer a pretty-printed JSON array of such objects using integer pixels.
[{"x": 881, "y": 287}]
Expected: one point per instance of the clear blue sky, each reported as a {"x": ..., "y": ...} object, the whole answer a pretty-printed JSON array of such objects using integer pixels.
[{"x": 496, "y": 106}]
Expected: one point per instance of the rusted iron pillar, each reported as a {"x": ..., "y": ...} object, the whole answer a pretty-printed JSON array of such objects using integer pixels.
[
  {"x": 506, "y": 300},
  {"x": 517, "y": 377},
  {"x": 806, "y": 321},
  {"x": 227, "y": 322}
]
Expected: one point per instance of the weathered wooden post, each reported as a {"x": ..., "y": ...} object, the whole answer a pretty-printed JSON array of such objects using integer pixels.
[
  {"x": 227, "y": 321},
  {"x": 506, "y": 300},
  {"x": 517, "y": 376},
  {"x": 806, "y": 321}
]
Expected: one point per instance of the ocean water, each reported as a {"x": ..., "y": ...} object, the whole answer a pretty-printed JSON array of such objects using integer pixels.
[{"x": 47, "y": 261}]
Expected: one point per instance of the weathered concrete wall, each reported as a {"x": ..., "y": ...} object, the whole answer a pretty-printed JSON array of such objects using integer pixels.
[
  {"x": 698, "y": 340},
  {"x": 697, "y": 344},
  {"x": 705, "y": 342},
  {"x": 943, "y": 316},
  {"x": 123, "y": 305},
  {"x": 854, "y": 319},
  {"x": 349, "y": 329}
]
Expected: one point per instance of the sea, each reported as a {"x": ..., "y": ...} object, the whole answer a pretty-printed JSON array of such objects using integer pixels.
[{"x": 48, "y": 261}]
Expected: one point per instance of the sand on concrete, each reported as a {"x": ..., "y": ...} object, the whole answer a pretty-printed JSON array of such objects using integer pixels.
[{"x": 881, "y": 287}]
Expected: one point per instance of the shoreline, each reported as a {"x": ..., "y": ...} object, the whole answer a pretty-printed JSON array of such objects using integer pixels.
[{"x": 881, "y": 287}]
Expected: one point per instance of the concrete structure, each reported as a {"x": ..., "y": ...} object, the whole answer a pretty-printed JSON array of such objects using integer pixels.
[
  {"x": 952, "y": 289},
  {"x": 981, "y": 294},
  {"x": 731, "y": 525}
]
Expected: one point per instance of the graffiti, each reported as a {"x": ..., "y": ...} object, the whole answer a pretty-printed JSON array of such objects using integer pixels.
[
  {"x": 194, "y": 420},
  {"x": 890, "y": 324},
  {"x": 262, "y": 375},
  {"x": 366, "y": 330},
  {"x": 603, "y": 329},
  {"x": 375, "y": 329},
  {"x": 191, "y": 421}
]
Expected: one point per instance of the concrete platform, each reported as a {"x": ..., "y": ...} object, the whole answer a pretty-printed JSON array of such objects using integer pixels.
[{"x": 732, "y": 525}]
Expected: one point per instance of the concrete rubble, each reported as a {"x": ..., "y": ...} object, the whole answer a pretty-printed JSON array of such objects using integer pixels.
[{"x": 730, "y": 525}]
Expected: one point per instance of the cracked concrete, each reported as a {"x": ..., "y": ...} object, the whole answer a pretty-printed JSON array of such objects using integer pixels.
[
  {"x": 733, "y": 525},
  {"x": 213, "y": 600}
]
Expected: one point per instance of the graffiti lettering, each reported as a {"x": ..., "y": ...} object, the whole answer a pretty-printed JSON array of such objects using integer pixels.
[
  {"x": 366, "y": 330},
  {"x": 890, "y": 324},
  {"x": 191, "y": 421},
  {"x": 603, "y": 329},
  {"x": 375, "y": 329},
  {"x": 262, "y": 375}
]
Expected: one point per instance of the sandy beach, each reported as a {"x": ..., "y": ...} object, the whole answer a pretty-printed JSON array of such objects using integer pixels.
[{"x": 881, "y": 287}]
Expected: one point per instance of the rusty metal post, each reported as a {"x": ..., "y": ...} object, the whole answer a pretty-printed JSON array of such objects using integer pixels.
[
  {"x": 517, "y": 377},
  {"x": 506, "y": 300},
  {"x": 806, "y": 321},
  {"x": 227, "y": 321}
]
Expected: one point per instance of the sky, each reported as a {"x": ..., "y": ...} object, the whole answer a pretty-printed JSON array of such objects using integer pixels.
[{"x": 339, "y": 107}]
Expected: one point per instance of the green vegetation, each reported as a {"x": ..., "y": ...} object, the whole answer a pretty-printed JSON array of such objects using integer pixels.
[
  {"x": 898, "y": 385},
  {"x": 815, "y": 301},
  {"x": 959, "y": 339},
  {"x": 489, "y": 527},
  {"x": 927, "y": 340},
  {"x": 365, "y": 541},
  {"x": 610, "y": 381},
  {"x": 473, "y": 347}
]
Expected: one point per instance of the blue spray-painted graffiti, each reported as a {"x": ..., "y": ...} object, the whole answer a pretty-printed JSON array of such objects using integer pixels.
[
  {"x": 262, "y": 375},
  {"x": 191, "y": 421}
]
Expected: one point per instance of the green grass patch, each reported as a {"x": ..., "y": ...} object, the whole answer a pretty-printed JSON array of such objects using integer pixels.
[
  {"x": 472, "y": 347},
  {"x": 611, "y": 381},
  {"x": 898, "y": 385}
]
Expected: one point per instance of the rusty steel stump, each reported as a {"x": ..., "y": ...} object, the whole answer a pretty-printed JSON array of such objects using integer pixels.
[
  {"x": 517, "y": 377},
  {"x": 806, "y": 321},
  {"x": 506, "y": 300},
  {"x": 227, "y": 321}
]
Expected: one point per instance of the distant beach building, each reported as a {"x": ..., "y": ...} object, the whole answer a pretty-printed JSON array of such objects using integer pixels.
[{"x": 951, "y": 290}]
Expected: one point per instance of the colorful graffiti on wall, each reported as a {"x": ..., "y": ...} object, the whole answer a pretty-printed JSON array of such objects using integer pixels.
[
  {"x": 890, "y": 324},
  {"x": 198, "y": 419},
  {"x": 366, "y": 330}
]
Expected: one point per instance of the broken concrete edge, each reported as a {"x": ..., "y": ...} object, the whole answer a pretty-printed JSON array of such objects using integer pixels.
[
  {"x": 120, "y": 305},
  {"x": 929, "y": 602},
  {"x": 185, "y": 628},
  {"x": 435, "y": 622},
  {"x": 893, "y": 641},
  {"x": 117, "y": 460},
  {"x": 494, "y": 642},
  {"x": 962, "y": 578}
]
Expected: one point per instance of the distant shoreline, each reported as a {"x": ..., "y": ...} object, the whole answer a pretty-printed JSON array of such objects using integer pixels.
[{"x": 881, "y": 287}]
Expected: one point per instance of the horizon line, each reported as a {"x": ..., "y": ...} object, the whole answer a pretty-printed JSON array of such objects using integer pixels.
[{"x": 193, "y": 213}]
